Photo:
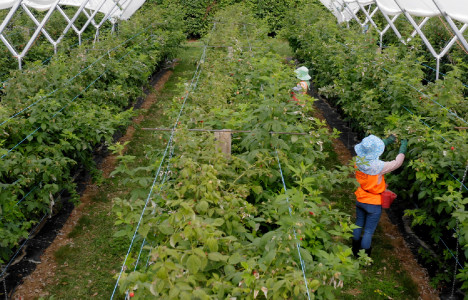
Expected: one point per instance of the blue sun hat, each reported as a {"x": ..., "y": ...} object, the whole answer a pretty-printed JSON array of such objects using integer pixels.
[
  {"x": 368, "y": 152},
  {"x": 302, "y": 73}
]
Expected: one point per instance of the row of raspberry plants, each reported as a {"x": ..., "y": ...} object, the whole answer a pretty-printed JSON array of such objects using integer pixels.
[
  {"x": 383, "y": 93},
  {"x": 63, "y": 128},
  {"x": 221, "y": 228}
]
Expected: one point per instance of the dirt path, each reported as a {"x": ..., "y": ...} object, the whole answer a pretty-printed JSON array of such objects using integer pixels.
[
  {"x": 33, "y": 285},
  {"x": 401, "y": 250}
]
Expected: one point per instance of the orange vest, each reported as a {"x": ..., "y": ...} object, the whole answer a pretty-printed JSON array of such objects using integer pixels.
[
  {"x": 369, "y": 191},
  {"x": 304, "y": 86}
]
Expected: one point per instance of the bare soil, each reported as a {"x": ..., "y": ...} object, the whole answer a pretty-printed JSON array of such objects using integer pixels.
[{"x": 33, "y": 285}]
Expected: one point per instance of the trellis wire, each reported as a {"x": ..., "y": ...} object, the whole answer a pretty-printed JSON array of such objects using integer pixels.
[
  {"x": 429, "y": 67},
  {"x": 202, "y": 59},
  {"x": 450, "y": 251},
  {"x": 407, "y": 109},
  {"x": 24, "y": 197},
  {"x": 171, "y": 153},
  {"x": 294, "y": 230},
  {"x": 22, "y": 245},
  {"x": 81, "y": 93},
  {"x": 458, "y": 237},
  {"x": 302, "y": 263},
  {"x": 462, "y": 184}
]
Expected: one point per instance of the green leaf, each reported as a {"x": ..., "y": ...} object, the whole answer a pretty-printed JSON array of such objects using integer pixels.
[
  {"x": 218, "y": 222},
  {"x": 120, "y": 233},
  {"x": 162, "y": 273},
  {"x": 257, "y": 189},
  {"x": 202, "y": 206},
  {"x": 216, "y": 256},
  {"x": 212, "y": 244},
  {"x": 193, "y": 264},
  {"x": 235, "y": 259},
  {"x": 305, "y": 255},
  {"x": 166, "y": 228},
  {"x": 269, "y": 257},
  {"x": 229, "y": 269},
  {"x": 278, "y": 285}
]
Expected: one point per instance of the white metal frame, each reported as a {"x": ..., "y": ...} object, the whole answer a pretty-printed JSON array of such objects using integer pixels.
[
  {"x": 458, "y": 32},
  {"x": 40, "y": 25}
]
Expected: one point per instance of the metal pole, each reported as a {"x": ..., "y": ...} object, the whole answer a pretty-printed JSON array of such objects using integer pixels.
[
  {"x": 227, "y": 130},
  {"x": 420, "y": 25},
  {"x": 10, "y": 15},
  {"x": 353, "y": 14},
  {"x": 39, "y": 28},
  {"x": 392, "y": 25},
  {"x": 8, "y": 45},
  {"x": 421, "y": 34},
  {"x": 33, "y": 18},
  {"x": 452, "y": 24},
  {"x": 368, "y": 17},
  {"x": 453, "y": 41},
  {"x": 91, "y": 18},
  {"x": 72, "y": 21}
]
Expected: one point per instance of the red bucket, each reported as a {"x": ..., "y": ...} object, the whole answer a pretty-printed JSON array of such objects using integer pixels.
[{"x": 387, "y": 198}]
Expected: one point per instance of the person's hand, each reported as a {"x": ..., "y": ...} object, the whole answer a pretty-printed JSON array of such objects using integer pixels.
[
  {"x": 403, "y": 146},
  {"x": 390, "y": 140}
]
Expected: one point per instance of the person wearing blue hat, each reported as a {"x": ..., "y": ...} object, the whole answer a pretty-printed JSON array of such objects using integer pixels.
[{"x": 370, "y": 172}]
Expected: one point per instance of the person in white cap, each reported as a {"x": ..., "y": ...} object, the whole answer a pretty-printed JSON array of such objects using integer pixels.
[
  {"x": 303, "y": 86},
  {"x": 370, "y": 172}
]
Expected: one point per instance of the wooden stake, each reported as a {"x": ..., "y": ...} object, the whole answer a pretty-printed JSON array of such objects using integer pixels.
[{"x": 223, "y": 139}]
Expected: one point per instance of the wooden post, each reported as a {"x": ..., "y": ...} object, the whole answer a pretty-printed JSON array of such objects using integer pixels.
[{"x": 223, "y": 141}]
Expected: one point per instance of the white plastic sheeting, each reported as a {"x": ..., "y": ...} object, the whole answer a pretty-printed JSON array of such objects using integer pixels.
[{"x": 118, "y": 9}]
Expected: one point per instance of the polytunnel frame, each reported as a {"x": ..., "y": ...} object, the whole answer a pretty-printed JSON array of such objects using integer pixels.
[
  {"x": 418, "y": 28},
  {"x": 56, "y": 6}
]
